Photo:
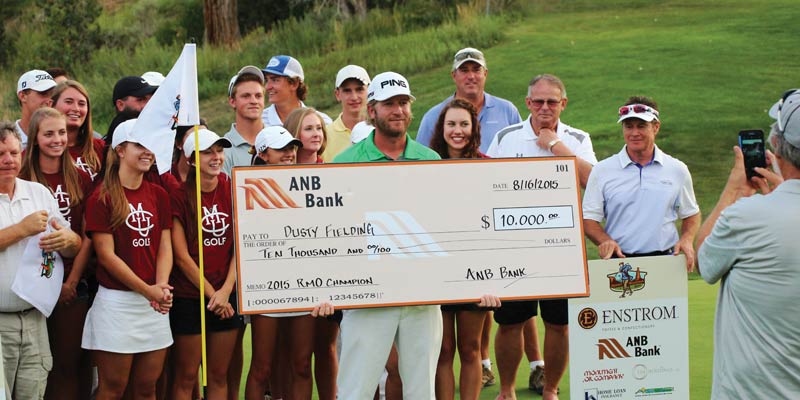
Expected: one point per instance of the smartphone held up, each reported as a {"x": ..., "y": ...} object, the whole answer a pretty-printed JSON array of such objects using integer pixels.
[{"x": 751, "y": 142}]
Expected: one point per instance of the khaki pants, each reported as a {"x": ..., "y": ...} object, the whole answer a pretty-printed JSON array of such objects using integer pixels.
[
  {"x": 367, "y": 338},
  {"x": 26, "y": 353}
]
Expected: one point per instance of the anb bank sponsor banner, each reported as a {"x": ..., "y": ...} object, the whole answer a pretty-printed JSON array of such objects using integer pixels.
[{"x": 630, "y": 338}]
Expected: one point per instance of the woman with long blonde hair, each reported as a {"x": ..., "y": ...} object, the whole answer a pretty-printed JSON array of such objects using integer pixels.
[
  {"x": 72, "y": 100},
  {"x": 127, "y": 326},
  {"x": 47, "y": 162}
]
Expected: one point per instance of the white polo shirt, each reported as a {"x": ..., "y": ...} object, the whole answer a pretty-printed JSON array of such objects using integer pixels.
[
  {"x": 271, "y": 118},
  {"x": 22, "y": 135},
  {"x": 28, "y": 198},
  {"x": 640, "y": 203},
  {"x": 519, "y": 140}
]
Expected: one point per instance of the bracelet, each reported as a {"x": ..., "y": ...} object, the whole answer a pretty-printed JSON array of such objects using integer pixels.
[{"x": 552, "y": 143}]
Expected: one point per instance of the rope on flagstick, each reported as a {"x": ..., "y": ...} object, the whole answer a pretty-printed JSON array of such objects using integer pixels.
[{"x": 202, "y": 285}]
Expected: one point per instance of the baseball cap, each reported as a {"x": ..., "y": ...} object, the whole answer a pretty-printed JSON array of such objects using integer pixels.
[
  {"x": 124, "y": 133},
  {"x": 387, "y": 85},
  {"x": 786, "y": 112},
  {"x": 275, "y": 137},
  {"x": 206, "y": 138},
  {"x": 352, "y": 72},
  {"x": 153, "y": 78},
  {"x": 360, "y": 132},
  {"x": 132, "y": 86},
  {"x": 284, "y": 66},
  {"x": 37, "y": 80},
  {"x": 641, "y": 111},
  {"x": 468, "y": 54},
  {"x": 246, "y": 70}
]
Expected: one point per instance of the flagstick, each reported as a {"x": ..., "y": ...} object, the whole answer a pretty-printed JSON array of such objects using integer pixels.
[{"x": 199, "y": 198}]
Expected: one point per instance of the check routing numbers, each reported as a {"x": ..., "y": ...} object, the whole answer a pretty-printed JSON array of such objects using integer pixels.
[{"x": 379, "y": 234}]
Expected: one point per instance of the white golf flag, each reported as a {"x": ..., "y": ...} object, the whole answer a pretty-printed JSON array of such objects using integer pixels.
[{"x": 174, "y": 103}]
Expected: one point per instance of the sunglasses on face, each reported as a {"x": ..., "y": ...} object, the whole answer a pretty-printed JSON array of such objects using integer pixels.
[
  {"x": 538, "y": 103},
  {"x": 785, "y": 96},
  {"x": 636, "y": 109},
  {"x": 468, "y": 54}
]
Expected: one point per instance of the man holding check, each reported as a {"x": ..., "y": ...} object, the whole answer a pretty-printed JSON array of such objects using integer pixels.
[{"x": 368, "y": 334}]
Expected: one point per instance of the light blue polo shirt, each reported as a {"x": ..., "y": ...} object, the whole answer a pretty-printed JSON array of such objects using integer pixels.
[
  {"x": 495, "y": 115},
  {"x": 640, "y": 203}
]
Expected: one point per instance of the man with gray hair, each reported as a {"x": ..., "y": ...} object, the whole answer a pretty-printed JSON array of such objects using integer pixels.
[
  {"x": 26, "y": 210},
  {"x": 750, "y": 242},
  {"x": 542, "y": 134}
]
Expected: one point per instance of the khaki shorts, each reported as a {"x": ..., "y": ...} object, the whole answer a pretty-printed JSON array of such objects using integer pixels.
[{"x": 26, "y": 353}]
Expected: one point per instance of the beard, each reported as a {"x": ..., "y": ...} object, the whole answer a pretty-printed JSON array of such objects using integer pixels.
[{"x": 386, "y": 129}]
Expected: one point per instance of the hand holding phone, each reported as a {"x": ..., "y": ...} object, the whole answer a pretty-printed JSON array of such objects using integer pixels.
[{"x": 751, "y": 142}]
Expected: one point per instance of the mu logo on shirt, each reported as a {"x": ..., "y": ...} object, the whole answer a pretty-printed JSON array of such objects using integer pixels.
[
  {"x": 139, "y": 220},
  {"x": 63, "y": 200},
  {"x": 215, "y": 222},
  {"x": 85, "y": 168}
]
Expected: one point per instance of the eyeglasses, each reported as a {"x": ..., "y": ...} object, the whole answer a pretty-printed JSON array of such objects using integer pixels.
[
  {"x": 785, "y": 96},
  {"x": 538, "y": 103},
  {"x": 637, "y": 109}
]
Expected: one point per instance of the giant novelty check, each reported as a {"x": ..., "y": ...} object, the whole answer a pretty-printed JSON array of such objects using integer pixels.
[{"x": 403, "y": 233}]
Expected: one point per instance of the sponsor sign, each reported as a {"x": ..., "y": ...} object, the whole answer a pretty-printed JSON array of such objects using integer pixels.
[
  {"x": 382, "y": 234},
  {"x": 630, "y": 338}
]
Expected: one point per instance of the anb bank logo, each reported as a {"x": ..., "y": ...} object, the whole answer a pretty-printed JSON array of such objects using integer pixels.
[
  {"x": 266, "y": 193},
  {"x": 626, "y": 280},
  {"x": 611, "y": 348}
]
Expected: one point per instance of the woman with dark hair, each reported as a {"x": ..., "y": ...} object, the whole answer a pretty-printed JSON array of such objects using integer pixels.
[
  {"x": 72, "y": 100},
  {"x": 127, "y": 325},
  {"x": 47, "y": 162},
  {"x": 222, "y": 324},
  {"x": 457, "y": 135}
]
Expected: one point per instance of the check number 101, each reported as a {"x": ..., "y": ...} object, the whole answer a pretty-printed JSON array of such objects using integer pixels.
[{"x": 519, "y": 218}]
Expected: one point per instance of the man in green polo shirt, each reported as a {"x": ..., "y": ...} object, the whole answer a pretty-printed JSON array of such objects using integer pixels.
[{"x": 368, "y": 334}]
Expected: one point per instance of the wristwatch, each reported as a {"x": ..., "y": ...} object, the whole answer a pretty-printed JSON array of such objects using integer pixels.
[{"x": 552, "y": 143}]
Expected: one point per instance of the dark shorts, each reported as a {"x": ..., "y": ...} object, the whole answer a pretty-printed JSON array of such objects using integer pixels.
[
  {"x": 555, "y": 311},
  {"x": 463, "y": 307},
  {"x": 184, "y": 318},
  {"x": 336, "y": 317}
]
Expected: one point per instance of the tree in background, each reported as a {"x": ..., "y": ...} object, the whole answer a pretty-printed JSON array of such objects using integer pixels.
[
  {"x": 70, "y": 24},
  {"x": 221, "y": 22}
]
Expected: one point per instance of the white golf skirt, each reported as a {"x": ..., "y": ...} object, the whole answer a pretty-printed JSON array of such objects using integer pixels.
[{"x": 124, "y": 322}]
